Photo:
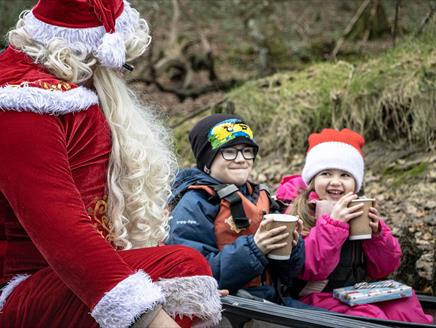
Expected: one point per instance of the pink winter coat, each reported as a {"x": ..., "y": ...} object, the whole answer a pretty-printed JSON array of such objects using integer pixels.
[{"x": 323, "y": 248}]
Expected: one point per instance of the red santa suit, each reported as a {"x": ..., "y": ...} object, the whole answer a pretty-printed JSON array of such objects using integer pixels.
[{"x": 62, "y": 272}]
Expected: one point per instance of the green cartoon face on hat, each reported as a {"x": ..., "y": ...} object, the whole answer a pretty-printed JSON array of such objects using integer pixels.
[{"x": 228, "y": 130}]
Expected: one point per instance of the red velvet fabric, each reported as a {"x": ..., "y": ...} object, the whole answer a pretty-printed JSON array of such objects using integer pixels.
[
  {"x": 54, "y": 170},
  {"x": 79, "y": 13},
  {"x": 45, "y": 301},
  {"x": 16, "y": 67}
]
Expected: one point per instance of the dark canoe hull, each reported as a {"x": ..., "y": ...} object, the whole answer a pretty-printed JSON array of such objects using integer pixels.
[{"x": 240, "y": 310}]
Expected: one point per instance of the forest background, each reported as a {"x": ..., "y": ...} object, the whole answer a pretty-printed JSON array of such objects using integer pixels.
[{"x": 292, "y": 67}]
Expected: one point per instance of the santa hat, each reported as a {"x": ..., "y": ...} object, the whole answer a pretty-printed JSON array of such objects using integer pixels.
[
  {"x": 94, "y": 26},
  {"x": 332, "y": 149}
]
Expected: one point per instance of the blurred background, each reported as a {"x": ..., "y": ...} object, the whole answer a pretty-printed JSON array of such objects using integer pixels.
[{"x": 292, "y": 67}]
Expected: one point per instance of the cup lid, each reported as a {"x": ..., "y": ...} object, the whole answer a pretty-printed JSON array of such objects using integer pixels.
[
  {"x": 281, "y": 217},
  {"x": 358, "y": 200}
]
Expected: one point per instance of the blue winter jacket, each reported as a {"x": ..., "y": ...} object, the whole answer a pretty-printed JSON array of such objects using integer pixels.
[{"x": 192, "y": 224}]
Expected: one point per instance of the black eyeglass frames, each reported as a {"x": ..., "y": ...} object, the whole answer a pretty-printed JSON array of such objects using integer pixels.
[{"x": 230, "y": 154}]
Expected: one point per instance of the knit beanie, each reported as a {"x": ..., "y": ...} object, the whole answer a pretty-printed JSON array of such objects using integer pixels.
[
  {"x": 332, "y": 149},
  {"x": 218, "y": 131}
]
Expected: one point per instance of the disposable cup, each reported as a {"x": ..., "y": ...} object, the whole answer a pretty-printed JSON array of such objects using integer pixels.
[
  {"x": 279, "y": 220},
  {"x": 324, "y": 207},
  {"x": 359, "y": 227}
]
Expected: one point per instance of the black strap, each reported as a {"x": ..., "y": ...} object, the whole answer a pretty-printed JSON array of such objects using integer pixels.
[
  {"x": 229, "y": 193},
  {"x": 226, "y": 190},
  {"x": 274, "y": 205},
  {"x": 237, "y": 210}
]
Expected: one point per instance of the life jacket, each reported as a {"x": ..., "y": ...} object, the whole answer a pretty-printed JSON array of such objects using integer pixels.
[
  {"x": 351, "y": 268},
  {"x": 237, "y": 215}
]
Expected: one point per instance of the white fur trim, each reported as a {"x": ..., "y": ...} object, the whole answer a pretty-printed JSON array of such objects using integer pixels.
[
  {"x": 195, "y": 296},
  {"x": 42, "y": 101},
  {"x": 85, "y": 39},
  {"x": 7, "y": 290},
  {"x": 112, "y": 51},
  {"x": 334, "y": 155},
  {"x": 123, "y": 304}
]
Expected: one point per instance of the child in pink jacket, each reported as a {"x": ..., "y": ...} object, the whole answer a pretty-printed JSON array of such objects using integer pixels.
[{"x": 333, "y": 171}]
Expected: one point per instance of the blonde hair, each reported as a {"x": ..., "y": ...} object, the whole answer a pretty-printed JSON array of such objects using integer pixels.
[
  {"x": 142, "y": 164},
  {"x": 304, "y": 209}
]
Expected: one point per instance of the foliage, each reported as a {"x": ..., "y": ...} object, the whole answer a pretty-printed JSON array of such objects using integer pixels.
[{"x": 10, "y": 11}]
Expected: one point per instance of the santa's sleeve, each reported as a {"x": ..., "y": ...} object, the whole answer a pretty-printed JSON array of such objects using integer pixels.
[{"x": 36, "y": 179}]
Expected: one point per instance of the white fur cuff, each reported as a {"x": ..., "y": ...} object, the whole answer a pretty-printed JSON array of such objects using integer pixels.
[
  {"x": 195, "y": 296},
  {"x": 7, "y": 290},
  {"x": 127, "y": 301}
]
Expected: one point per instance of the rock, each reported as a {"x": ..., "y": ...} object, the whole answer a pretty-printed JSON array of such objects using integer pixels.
[
  {"x": 261, "y": 178},
  {"x": 427, "y": 236},
  {"x": 430, "y": 219},
  {"x": 429, "y": 205}
]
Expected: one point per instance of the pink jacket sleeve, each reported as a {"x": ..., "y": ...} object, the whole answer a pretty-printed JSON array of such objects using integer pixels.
[
  {"x": 323, "y": 248},
  {"x": 383, "y": 253},
  {"x": 290, "y": 187}
]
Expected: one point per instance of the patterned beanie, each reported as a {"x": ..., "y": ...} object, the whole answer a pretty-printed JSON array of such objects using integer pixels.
[
  {"x": 332, "y": 149},
  {"x": 218, "y": 131}
]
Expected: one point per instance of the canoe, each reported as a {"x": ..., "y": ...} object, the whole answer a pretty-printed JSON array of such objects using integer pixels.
[{"x": 240, "y": 310}]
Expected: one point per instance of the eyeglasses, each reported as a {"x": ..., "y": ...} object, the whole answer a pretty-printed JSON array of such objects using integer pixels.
[{"x": 230, "y": 154}]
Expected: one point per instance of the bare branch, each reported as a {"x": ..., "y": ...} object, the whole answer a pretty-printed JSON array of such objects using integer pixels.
[
  {"x": 183, "y": 93},
  {"x": 426, "y": 19},
  {"x": 396, "y": 18},
  {"x": 174, "y": 22},
  {"x": 349, "y": 27},
  {"x": 197, "y": 112}
]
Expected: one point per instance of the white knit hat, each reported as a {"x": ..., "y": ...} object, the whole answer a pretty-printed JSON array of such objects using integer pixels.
[
  {"x": 93, "y": 26},
  {"x": 332, "y": 149}
]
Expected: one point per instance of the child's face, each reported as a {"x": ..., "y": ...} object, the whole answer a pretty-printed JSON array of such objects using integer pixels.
[
  {"x": 234, "y": 171},
  {"x": 332, "y": 184}
]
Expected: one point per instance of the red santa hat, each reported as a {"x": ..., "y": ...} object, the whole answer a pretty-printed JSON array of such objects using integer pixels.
[
  {"x": 94, "y": 26},
  {"x": 332, "y": 149}
]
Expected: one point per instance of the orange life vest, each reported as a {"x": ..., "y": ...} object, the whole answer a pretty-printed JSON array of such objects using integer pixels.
[{"x": 237, "y": 215}]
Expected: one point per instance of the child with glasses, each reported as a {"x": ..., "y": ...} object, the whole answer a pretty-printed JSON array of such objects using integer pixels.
[{"x": 219, "y": 212}]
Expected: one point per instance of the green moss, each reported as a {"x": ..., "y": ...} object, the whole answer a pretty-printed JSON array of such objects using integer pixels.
[
  {"x": 406, "y": 176},
  {"x": 402, "y": 176},
  {"x": 391, "y": 97}
]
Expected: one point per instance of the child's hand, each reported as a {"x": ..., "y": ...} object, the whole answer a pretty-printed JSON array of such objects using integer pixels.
[
  {"x": 297, "y": 231},
  {"x": 223, "y": 292},
  {"x": 375, "y": 220},
  {"x": 341, "y": 211},
  {"x": 267, "y": 240}
]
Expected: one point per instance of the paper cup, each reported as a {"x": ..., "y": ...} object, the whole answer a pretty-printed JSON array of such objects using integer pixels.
[
  {"x": 289, "y": 221},
  {"x": 359, "y": 227},
  {"x": 324, "y": 207}
]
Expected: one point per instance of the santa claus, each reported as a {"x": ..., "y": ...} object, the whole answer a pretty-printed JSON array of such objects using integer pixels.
[{"x": 85, "y": 172}]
